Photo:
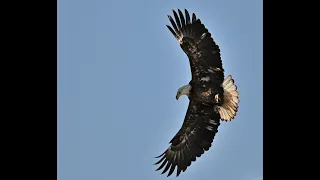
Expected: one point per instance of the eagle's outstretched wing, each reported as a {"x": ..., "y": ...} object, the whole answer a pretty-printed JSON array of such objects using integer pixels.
[
  {"x": 197, "y": 43},
  {"x": 192, "y": 140},
  {"x": 205, "y": 63}
]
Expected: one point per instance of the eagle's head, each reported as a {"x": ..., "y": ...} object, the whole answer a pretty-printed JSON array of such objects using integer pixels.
[{"x": 184, "y": 90}]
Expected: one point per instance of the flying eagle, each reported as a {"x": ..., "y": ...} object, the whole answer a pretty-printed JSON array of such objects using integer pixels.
[{"x": 211, "y": 96}]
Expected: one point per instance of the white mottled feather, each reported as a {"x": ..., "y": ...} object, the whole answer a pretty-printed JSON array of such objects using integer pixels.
[{"x": 206, "y": 79}]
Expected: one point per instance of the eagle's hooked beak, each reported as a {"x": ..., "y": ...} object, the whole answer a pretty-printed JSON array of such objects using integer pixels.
[{"x": 177, "y": 96}]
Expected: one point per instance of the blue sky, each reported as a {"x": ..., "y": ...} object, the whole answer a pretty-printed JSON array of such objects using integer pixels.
[{"x": 119, "y": 69}]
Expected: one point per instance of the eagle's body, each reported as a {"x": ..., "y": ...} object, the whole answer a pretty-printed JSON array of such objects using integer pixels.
[{"x": 212, "y": 96}]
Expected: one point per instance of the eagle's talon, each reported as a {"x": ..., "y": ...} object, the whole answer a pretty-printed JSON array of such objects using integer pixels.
[{"x": 217, "y": 98}]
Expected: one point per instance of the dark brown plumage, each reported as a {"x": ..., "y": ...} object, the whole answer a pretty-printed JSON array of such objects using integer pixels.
[{"x": 204, "y": 112}]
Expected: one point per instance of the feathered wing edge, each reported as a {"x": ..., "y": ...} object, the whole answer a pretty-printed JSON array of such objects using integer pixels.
[
  {"x": 180, "y": 29},
  {"x": 192, "y": 140},
  {"x": 196, "y": 41},
  {"x": 229, "y": 108}
]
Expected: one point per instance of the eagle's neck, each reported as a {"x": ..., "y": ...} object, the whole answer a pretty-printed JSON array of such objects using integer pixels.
[{"x": 185, "y": 90}]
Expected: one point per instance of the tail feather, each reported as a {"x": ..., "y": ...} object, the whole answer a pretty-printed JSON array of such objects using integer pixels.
[{"x": 229, "y": 108}]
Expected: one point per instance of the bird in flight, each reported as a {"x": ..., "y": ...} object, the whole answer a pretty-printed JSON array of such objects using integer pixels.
[{"x": 212, "y": 97}]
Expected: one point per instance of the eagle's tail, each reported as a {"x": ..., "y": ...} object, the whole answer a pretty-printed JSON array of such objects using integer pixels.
[{"x": 229, "y": 108}]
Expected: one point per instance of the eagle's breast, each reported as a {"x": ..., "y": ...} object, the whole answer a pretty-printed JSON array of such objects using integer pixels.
[{"x": 206, "y": 93}]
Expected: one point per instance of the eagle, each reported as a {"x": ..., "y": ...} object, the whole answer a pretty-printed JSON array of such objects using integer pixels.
[{"x": 212, "y": 96}]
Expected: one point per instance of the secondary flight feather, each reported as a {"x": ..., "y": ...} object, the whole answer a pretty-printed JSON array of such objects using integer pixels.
[{"x": 212, "y": 97}]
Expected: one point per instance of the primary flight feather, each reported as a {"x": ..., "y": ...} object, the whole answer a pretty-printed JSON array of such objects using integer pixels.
[{"x": 212, "y": 97}]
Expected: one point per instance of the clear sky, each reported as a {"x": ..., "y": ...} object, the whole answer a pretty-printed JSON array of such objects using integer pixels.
[{"x": 119, "y": 69}]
